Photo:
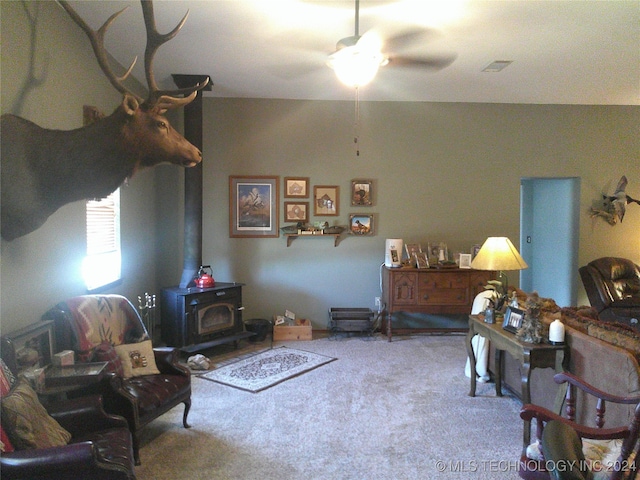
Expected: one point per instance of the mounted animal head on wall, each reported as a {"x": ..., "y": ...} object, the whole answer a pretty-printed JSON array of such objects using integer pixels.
[
  {"x": 43, "y": 169},
  {"x": 613, "y": 207}
]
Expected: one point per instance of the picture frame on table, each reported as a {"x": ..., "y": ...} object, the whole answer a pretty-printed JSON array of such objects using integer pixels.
[
  {"x": 361, "y": 224},
  {"x": 513, "y": 319},
  {"x": 296, "y": 211},
  {"x": 296, "y": 187},
  {"x": 412, "y": 249},
  {"x": 421, "y": 259},
  {"x": 33, "y": 345},
  {"x": 437, "y": 251},
  {"x": 465, "y": 260},
  {"x": 361, "y": 193},
  {"x": 326, "y": 200},
  {"x": 474, "y": 250},
  {"x": 253, "y": 206}
]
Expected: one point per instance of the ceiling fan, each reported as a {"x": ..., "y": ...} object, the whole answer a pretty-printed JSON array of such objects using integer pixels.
[{"x": 357, "y": 58}]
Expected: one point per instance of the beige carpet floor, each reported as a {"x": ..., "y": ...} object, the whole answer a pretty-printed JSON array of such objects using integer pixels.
[{"x": 382, "y": 410}]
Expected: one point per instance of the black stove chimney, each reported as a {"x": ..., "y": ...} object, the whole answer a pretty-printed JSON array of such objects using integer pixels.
[{"x": 192, "y": 181}]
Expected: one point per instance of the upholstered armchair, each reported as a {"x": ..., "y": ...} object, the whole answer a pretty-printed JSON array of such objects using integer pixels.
[
  {"x": 86, "y": 442},
  {"x": 613, "y": 288},
  {"x": 143, "y": 382},
  {"x": 592, "y": 451}
]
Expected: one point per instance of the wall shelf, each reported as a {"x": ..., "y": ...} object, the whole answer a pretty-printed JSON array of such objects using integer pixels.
[{"x": 292, "y": 236}]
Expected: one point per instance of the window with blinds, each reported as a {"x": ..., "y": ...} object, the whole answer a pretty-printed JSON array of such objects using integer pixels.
[{"x": 102, "y": 265}]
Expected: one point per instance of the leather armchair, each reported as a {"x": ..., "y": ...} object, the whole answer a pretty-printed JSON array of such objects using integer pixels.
[
  {"x": 613, "y": 288},
  {"x": 139, "y": 399},
  {"x": 101, "y": 446}
]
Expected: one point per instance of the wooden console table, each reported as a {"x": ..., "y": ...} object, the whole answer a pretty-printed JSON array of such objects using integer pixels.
[
  {"x": 531, "y": 355},
  {"x": 431, "y": 290}
]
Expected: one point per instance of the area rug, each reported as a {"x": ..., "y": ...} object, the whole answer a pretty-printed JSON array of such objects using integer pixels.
[{"x": 267, "y": 369}]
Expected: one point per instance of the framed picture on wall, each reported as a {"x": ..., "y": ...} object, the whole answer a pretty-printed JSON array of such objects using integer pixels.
[
  {"x": 326, "y": 200},
  {"x": 361, "y": 224},
  {"x": 296, "y": 187},
  {"x": 361, "y": 193},
  {"x": 296, "y": 211},
  {"x": 253, "y": 206}
]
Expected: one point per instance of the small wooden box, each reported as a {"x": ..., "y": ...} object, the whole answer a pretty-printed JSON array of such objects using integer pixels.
[{"x": 300, "y": 331}]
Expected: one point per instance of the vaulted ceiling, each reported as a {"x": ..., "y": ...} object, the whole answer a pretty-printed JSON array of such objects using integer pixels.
[{"x": 562, "y": 51}]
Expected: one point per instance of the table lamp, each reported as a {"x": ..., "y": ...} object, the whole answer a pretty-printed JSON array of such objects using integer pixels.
[{"x": 498, "y": 253}]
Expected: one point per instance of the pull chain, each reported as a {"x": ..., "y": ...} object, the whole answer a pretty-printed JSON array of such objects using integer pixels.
[{"x": 356, "y": 124}]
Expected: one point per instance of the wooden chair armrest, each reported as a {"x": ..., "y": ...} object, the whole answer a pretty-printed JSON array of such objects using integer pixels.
[
  {"x": 543, "y": 415},
  {"x": 567, "y": 377}
]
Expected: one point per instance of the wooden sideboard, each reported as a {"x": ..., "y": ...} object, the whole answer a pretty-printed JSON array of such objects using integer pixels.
[{"x": 444, "y": 291}]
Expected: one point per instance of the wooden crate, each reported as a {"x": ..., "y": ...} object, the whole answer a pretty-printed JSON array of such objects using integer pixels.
[{"x": 300, "y": 331}]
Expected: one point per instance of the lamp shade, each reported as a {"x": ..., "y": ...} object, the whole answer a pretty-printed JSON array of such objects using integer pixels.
[{"x": 498, "y": 253}]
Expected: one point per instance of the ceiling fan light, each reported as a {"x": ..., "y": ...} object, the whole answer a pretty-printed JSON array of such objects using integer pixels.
[{"x": 355, "y": 67}]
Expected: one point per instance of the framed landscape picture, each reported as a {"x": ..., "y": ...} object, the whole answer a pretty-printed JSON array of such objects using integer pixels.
[
  {"x": 326, "y": 200},
  {"x": 296, "y": 187},
  {"x": 253, "y": 206}
]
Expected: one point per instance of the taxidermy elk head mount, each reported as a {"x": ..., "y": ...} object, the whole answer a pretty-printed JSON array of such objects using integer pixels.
[{"x": 42, "y": 169}]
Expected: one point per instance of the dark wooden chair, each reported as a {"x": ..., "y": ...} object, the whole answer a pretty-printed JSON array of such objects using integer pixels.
[
  {"x": 627, "y": 464},
  {"x": 139, "y": 399}
]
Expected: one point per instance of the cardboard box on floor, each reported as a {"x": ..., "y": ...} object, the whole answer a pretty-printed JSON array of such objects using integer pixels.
[{"x": 292, "y": 329}]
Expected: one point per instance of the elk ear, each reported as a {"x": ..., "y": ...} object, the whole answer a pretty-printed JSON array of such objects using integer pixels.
[{"x": 130, "y": 104}]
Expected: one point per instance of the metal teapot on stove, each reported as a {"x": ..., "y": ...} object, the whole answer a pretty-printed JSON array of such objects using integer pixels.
[{"x": 205, "y": 280}]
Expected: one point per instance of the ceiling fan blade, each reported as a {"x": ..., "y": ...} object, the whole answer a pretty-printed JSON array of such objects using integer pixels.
[
  {"x": 436, "y": 62},
  {"x": 411, "y": 38}
]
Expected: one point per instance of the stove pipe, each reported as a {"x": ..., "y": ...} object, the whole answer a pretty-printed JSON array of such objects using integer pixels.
[{"x": 192, "y": 182}]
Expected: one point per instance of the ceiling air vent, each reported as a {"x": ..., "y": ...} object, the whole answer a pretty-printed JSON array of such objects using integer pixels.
[{"x": 497, "y": 66}]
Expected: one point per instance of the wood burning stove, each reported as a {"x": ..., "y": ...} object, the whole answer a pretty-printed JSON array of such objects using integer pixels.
[{"x": 194, "y": 319}]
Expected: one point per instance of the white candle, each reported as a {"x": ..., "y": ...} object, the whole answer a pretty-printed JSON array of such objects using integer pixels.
[{"x": 556, "y": 332}]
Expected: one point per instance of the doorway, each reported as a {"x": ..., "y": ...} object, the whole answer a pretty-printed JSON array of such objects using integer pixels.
[{"x": 549, "y": 237}]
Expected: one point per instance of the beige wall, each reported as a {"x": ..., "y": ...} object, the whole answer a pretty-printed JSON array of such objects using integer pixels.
[{"x": 442, "y": 171}]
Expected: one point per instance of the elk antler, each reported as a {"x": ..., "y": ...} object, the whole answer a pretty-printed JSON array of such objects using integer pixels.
[{"x": 161, "y": 99}]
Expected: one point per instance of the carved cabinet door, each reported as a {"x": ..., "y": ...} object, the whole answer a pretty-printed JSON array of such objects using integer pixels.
[{"x": 404, "y": 288}]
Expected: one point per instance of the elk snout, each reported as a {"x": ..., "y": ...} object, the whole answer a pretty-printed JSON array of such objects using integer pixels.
[{"x": 190, "y": 163}]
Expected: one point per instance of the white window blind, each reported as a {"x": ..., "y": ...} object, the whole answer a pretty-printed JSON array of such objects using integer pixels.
[{"x": 102, "y": 265}]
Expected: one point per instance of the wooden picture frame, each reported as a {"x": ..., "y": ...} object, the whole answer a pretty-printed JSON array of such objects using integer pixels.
[
  {"x": 412, "y": 249},
  {"x": 361, "y": 193},
  {"x": 361, "y": 224},
  {"x": 33, "y": 345},
  {"x": 512, "y": 319},
  {"x": 326, "y": 200},
  {"x": 296, "y": 187},
  {"x": 421, "y": 259},
  {"x": 465, "y": 260},
  {"x": 253, "y": 206},
  {"x": 296, "y": 211}
]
